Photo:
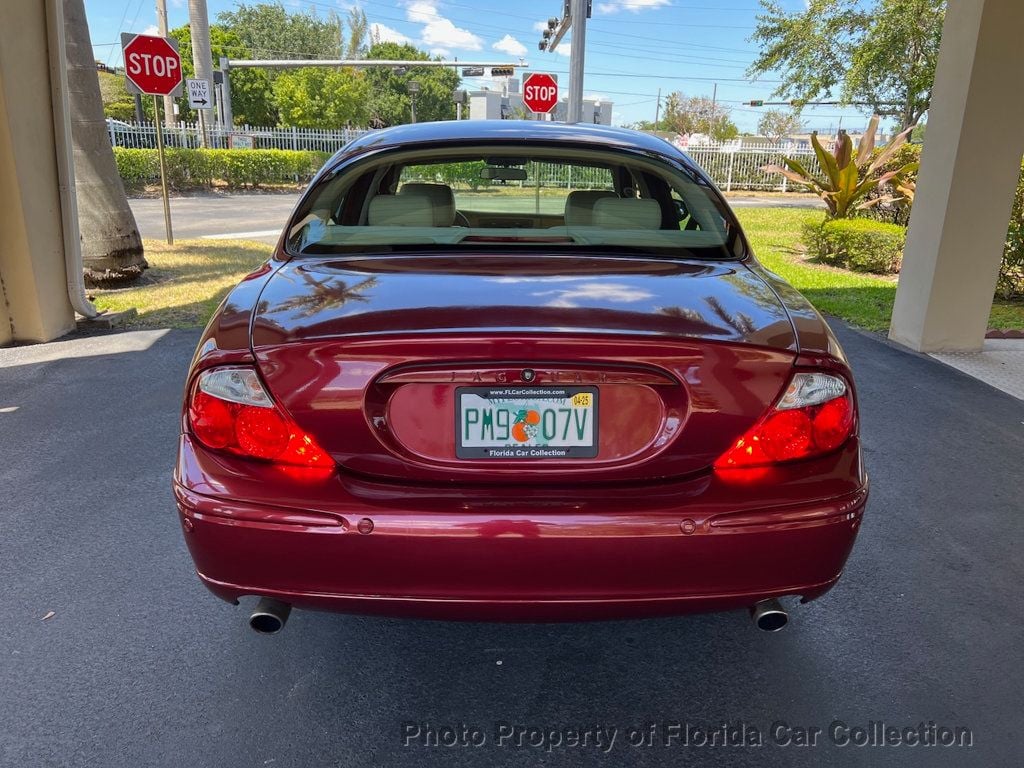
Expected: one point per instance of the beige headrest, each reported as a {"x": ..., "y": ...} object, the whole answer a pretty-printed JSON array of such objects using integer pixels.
[
  {"x": 400, "y": 211},
  {"x": 627, "y": 213},
  {"x": 441, "y": 198},
  {"x": 579, "y": 206}
]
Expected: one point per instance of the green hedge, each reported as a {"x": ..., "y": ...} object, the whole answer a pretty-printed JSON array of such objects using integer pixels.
[
  {"x": 862, "y": 245},
  {"x": 198, "y": 168}
]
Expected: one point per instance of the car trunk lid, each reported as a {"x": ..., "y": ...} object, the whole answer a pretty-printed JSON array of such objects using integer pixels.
[{"x": 374, "y": 354}]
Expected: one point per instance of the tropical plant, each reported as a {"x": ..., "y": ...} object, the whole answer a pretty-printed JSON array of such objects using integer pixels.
[{"x": 848, "y": 177}]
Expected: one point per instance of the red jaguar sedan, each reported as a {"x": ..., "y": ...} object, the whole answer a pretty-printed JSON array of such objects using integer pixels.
[{"x": 517, "y": 371}]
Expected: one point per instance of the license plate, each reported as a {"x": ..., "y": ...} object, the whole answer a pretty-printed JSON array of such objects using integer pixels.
[{"x": 526, "y": 422}]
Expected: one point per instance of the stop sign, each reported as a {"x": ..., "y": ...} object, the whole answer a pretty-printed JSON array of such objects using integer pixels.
[
  {"x": 152, "y": 64},
  {"x": 540, "y": 92}
]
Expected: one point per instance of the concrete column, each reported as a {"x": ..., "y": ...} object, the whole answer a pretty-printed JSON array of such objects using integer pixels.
[
  {"x": 969, "y": 171},
  {"x": 34, "y": 303}
]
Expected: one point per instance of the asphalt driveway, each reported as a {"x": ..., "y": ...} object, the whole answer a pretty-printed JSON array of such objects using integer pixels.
[
  {"x": 255, "y": 216},
  {"x": 139, "y": 666}
]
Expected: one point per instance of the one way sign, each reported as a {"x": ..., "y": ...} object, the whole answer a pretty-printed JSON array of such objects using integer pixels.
[{"x": 198, "y": 93}]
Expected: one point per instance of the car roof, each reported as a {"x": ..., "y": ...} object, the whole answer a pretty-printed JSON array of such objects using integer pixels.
[{"x": 512, "y": 131}]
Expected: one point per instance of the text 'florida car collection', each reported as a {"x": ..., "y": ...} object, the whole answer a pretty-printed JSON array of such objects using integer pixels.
[{"x": 517, "y": 371}]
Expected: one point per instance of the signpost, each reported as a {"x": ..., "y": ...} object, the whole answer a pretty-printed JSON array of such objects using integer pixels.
[
  {"x": 152, "y": 66},
  {"x": 540, "y": 92},
  {"x": 198, "y": 93}
]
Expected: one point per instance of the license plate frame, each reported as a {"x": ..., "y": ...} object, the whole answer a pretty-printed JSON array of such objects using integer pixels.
[{"x": 530, "y": 450}]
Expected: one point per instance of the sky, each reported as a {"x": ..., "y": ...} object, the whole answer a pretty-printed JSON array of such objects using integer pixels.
[{"x": 633, "y": 47}]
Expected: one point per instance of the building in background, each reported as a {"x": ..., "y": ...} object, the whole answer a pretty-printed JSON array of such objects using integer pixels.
[{"x": 507, "y": 104}]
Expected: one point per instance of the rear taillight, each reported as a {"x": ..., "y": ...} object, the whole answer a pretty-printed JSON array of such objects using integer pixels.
[
  {"x": 815, "y": 415},
  {"x": 230, "y": 411}
]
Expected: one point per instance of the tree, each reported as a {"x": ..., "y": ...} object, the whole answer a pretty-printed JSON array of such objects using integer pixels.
[
  {"x": 111, "y": 245},
  {"x": 777, "y": 124},
  {"x": 316, "y": 97},
  {"x": 271, "y": 32},
  {"x": 117, "y": 102},
  {"x": 358, "y": 34},
  {"x": 252, "y": 99},
  {"x": 389, "y": 102},
  {"x": 882, "y": 54},
  {"x": 697, "y": 114}
]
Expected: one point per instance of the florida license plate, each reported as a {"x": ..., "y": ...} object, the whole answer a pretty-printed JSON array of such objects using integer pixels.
[{"x": 519, "y": 422}]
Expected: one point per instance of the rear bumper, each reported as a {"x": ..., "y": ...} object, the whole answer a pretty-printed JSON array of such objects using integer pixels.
[{"x": 521, "y": 561}]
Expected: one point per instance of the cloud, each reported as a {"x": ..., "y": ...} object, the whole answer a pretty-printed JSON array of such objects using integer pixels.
[
  {"x": 570, "y": 297},
  {"x": 152, "y": 29},
  {"x": 510, "y": 45},
  {"x": 387, "y": 35},
  {"x": 633, "y": 6},
  {"x": 595, "y": 97},
  {"x": 563, "y": 49},
  {"x": 439, "y": 34},
  {"x": 540, "y": 26}
]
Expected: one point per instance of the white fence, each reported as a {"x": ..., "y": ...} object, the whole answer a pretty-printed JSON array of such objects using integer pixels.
[
  {"x": 732, "y": 165},
  {"x": 143, "y": 136}
]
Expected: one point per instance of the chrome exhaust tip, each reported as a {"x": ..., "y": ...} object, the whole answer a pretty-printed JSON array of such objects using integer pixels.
[
  {"x": 270, "y": 616},
  {"x": 769, "y": 615}
]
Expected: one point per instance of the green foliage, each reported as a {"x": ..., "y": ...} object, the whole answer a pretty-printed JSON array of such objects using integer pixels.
[
  {"x": 137, "y": 167},
  {"x": 389, "y": 102},
  {"x": 848, "y": 177},
  {"x": 697, "y": 114},
  {"x": 358, "y": 33},
  {"x": 315, "y": 97},
  {"x": 117, "y": 102},
  {"x": 252, "y": 101},
  {"x": 777, "y": 124},
  {"x": 198, "y": 168},
  {"x": 271, "y": 32},
  {"x": 882, "y": 52},
  {"x": 861, "y": 245}
]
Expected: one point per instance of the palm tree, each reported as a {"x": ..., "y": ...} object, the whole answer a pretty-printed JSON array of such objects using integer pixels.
[{"x": 111, "y": 244}]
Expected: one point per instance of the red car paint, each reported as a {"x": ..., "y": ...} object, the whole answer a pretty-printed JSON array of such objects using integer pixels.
[{"x": 402, "y": 527}]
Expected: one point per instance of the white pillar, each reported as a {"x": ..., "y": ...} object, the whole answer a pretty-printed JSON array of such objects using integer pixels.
[{"x": 969, "y": 171}]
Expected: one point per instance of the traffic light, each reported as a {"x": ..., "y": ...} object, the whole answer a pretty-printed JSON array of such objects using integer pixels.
[{"x": 502, "y": 71}]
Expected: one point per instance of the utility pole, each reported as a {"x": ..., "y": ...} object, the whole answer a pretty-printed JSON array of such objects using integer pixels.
[
  {"x": 578, "y": 19},
  {"x": 227, "y": 119},
  {"x": 657, "y": 110},
  {"x": 161, "y": 23},
  {"x": 574, "y": 16},
  {"x": 714, "y": 109},
  {"x": 199, "y": 24}
]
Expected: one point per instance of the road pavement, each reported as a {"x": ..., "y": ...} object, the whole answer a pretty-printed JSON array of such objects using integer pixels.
[
  {"x": 113, "y": 655},
  {"x": 263, "y": 216}
]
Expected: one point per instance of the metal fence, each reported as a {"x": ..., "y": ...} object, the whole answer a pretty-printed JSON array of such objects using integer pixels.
[
  {"x": 732, "y": 165},
  {"x": 143, "y": 136}
]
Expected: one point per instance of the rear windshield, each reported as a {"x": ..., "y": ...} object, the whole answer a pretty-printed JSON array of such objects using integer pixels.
[{"x": 558, "y": 199}]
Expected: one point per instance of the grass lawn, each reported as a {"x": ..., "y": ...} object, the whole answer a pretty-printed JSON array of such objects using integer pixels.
[
  {"x": 860, "y": 299},
  {"x": 187, "y": 281}
]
